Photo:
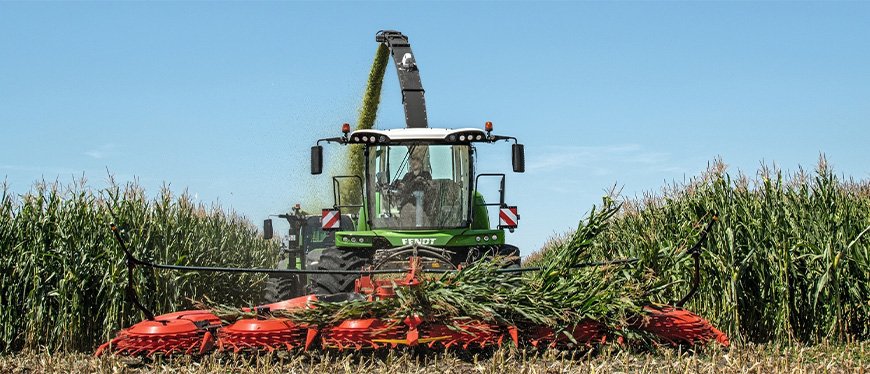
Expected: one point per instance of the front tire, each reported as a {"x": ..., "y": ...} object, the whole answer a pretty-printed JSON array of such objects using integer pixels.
[
  {"x": 334, "y": 258},
  {"x": 509, "y": 254}
]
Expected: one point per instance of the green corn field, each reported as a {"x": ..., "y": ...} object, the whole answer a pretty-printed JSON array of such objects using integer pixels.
[
  {"x": 63, "y": 274},
  {"x": 788, "y": 260}
]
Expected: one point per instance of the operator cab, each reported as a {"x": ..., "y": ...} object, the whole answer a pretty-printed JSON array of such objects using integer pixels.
[
  {"x": 418, "y": 178},
  {"x": 418, "y": 184}
]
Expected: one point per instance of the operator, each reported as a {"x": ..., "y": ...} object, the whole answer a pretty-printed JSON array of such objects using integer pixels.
[{"x": 417, "y": 180}]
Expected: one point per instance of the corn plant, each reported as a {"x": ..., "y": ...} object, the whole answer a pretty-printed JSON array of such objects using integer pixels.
[
  {"x": 63, "y": 274},
  {"x": 788, "y": 261}
]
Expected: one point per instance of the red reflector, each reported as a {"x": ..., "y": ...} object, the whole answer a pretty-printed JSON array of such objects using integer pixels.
[
  {"x": 330, "y": 219},
  {"x": 508, "y": 217}
]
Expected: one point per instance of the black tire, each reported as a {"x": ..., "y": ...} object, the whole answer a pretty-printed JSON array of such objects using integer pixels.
[
  {"x": 505, "y": 251},
  {"x": 337, "y": 259},
  {"x": 511, "y": 251},
  {"x": 281, "y": 287}
]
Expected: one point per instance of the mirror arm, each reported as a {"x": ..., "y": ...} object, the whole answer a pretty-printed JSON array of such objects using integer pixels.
[
  {"x": 495, "y": 138},
  {"x": 340, "y": 140}
]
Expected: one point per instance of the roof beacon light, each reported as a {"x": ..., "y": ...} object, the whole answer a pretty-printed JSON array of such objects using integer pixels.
[
  {"x": 345, "y": 128},
  {"x": 488, "y": 126}
]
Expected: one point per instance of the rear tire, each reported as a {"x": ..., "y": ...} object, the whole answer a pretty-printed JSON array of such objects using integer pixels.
[
  {"x": 280, "y": 289},
  {"x": 337, "y": 259}
]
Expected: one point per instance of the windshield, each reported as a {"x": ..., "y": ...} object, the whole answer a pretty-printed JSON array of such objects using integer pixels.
[{"x": 418, "y": 186}]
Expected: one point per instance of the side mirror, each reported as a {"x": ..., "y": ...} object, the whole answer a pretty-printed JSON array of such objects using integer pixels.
[
  {"x": 316, "y": 160},
  {"x": 519, "y": 158},
  {"x": 267, "y": 229}
]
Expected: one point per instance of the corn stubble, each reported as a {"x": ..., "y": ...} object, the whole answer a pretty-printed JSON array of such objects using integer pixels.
[{"x": 771, "y": 358}]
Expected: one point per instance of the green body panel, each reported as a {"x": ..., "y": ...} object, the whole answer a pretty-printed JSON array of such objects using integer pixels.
[
  {"x": 480, "y": 218},
  {"x": 362, "y": 224},
  {"x": 436, "y": 238}
]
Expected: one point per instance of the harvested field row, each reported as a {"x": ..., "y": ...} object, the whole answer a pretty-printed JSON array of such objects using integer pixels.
[{"x": 849, "y": 358}]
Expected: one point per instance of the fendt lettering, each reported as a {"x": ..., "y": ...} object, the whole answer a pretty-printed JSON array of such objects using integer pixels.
[{"x": 423, "y": 241}]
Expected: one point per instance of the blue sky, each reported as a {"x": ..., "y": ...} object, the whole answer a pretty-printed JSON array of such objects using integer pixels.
[{"x": 224, "y": 99}]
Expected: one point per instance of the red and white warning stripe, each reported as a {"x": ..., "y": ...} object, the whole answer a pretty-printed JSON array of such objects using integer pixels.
[
  {"x": 508, "y": 217},
  {"x": 331, "y": 219}
]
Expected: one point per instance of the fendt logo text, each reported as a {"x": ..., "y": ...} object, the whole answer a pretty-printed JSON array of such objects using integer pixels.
[{"x": 424, "y": 241}]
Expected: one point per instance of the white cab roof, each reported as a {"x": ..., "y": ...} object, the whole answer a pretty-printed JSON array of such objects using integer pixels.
[{"x": 418, "y": 133}]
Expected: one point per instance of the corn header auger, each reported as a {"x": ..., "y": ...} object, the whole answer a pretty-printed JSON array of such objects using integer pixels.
[{"x": 416, "y": 211}]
